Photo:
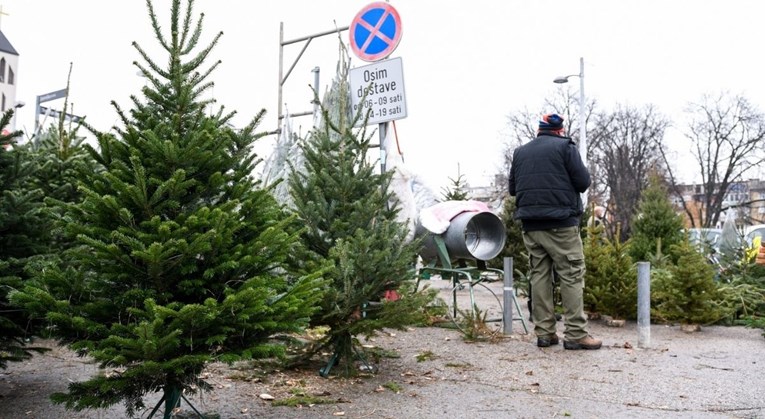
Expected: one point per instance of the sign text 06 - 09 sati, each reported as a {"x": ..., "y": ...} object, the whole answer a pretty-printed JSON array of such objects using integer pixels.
[{"x": 379, "y": 87}]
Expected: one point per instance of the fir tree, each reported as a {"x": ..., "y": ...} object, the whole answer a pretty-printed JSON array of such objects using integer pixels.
[
  {"x": 598, "y": 254},
  {"x": 23, "y": 232},
  {"x": 656, "y": 220},
  {"x": 350, "y": 216},
  {"x": 610, "y": 277},
  {"x": 620, "y": 272},
  {"x": 514, "y": 246},
  {"x": 60, "y": 159},
  {"x": 689, "y": 294},
  {"x": 182, "y": 259},
  {"x": 457, "y": 190},
  {"x": 44, "y": 173}
]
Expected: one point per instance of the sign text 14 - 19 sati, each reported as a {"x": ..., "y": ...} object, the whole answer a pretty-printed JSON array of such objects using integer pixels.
[{"x": 379, "y": 87}]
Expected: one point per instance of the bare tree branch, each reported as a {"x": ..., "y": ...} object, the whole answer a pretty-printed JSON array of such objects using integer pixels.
[
  {"x": 726, "y": 133},
  {"x": 629, "y": 145}
]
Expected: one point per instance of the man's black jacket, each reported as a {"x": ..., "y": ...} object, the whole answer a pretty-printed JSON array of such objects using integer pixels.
[{"x": 546, "y": 177}]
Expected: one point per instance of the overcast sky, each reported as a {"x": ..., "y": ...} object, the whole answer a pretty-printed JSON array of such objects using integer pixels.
[{"x": 466, "y": 65}]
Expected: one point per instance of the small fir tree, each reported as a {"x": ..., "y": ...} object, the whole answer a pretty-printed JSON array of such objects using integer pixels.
[
  {"x": 61, "y": 158},
  {"x": 656, "y": 220},
  {"x": 350, "y": 216},
  {"x": 620, "y": 272},
  {"x": 457, "y": 190},
  {"x": 598, "y": 254},
  {"x": 182, "y": 259},
  {"x": 689, "y": 294}
]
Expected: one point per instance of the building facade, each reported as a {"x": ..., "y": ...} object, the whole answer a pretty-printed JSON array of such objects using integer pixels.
[
  {"x": 746, "y": 199},
  {"x": 9, "y": 65}
]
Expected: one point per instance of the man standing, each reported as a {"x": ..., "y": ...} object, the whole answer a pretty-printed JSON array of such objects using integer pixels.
[{"x": 547, "y": 177}]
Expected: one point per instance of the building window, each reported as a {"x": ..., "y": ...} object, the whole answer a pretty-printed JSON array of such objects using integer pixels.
[
  {"x": 10, "y": 76},
  {"x": 3, "y": 107},
  {"x": 2, "y": 72}
]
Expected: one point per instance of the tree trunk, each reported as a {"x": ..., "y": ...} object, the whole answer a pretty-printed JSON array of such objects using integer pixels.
[{"x": 172, "y": 398}]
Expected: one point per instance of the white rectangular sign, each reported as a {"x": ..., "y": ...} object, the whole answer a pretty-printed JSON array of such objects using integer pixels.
[{"x": 383, "y": 84}]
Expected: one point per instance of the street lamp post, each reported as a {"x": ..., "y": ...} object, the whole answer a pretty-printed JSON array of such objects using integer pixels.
[
  {"x": 20, "y": 104},
  {"x": 582, "y": 117}
]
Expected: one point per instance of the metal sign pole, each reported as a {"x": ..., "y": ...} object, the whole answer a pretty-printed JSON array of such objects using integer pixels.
[
  {"x": 37, "y": 114},
  {"x": 45, "y": 98},
  {"x": 383, "y": 128}
]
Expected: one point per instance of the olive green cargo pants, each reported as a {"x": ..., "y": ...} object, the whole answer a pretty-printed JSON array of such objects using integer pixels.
[{"x": 559, "y": 249}]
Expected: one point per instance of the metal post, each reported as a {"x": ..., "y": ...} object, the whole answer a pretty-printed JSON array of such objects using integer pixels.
[
  {"x": 383, "y": 128},
  {"x": 37, "y": 114},
  {"x": 582, "y": 125},
  {"x": 281, "y": 71},
  {"x": 316, "y": 99},
  {"x": 644, "y": 304},
  {"x": 508, "y": 295}
]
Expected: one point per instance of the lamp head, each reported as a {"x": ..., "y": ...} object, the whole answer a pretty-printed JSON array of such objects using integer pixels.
[{"x": 561, "y": 80}]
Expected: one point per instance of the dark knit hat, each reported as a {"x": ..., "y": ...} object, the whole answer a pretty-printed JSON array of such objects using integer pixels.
[{"x": 551, "y": 122}]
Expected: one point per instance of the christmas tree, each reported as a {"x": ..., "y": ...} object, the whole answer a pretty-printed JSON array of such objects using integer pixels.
[
  {"x": 598, "y": 254},
  {"x": 689, "y": 293},
  {"x": 181, "y": 258},
  {"x": 23, "y": 234},
  {"x": 620, "y": 272},
  {"x": 60, "y": 159},
  {"x": 457, "y": 190},
  {"x": 514, "y": 246},
  {"x": 656, "y": 221},
  {"x": 42, "y": 185},
  {"x": 350, "y": 219}
]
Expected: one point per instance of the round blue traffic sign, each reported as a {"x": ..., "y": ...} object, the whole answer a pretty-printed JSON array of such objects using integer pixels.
[{"x": 375, "y": 31}]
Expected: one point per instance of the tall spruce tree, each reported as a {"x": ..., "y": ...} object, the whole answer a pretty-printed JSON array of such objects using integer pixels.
[
  {"x": 655, "y": 221},
  {"x": 23, "y": 232},
  {"x": 350, "y": 216},
  {"x": 182, "y": 258}
]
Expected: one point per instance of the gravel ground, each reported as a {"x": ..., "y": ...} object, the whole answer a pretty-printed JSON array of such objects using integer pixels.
[{"x": 718, "y": 372}]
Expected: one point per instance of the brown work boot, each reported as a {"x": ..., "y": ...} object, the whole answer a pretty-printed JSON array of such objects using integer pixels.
[
  {"x": 587, "y": 342},
  {"x": 547, "y": 341}
]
